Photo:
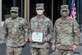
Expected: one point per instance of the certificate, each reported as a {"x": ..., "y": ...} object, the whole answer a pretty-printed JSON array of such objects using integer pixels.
[{"x": 37, "y": 36}]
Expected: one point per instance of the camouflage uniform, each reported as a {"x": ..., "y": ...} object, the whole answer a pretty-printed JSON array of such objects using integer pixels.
[
  {"x": 15, "y": 35},
  {"x": 66, "y": 34},
  {"x": 43, "y": 25}
]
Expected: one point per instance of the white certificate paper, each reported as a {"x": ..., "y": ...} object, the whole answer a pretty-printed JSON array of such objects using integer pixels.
[{"x": 37, "y": 36}]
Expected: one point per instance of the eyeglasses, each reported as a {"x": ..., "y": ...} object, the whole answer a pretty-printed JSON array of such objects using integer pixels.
[
  {"x": 64, "y": 10},
  {"x": 14, "y": 12},
  {"x": 39, "y": 9}
]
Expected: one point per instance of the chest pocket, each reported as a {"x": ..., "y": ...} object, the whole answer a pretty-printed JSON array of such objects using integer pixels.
[
  {"x": 9, "y": 25},
  {"x": 15, "y": 26},
  {"x": 67, "y": 29},
  {"x": 18, "y": 26}
]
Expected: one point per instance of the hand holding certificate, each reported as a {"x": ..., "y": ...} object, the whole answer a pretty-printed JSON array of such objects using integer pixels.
[{"x": 37, "y": 36}]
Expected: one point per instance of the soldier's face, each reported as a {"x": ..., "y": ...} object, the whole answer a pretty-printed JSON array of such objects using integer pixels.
[
  {"x": 14, "y": 14},
  {"x": 64, "y": 12},
  {"x": 40, "y": 11}
]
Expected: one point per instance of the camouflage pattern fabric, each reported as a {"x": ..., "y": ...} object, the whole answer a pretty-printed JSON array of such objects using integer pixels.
[
  {"x": 15, "y": 32},
  {"x": 44, "y": 25}
]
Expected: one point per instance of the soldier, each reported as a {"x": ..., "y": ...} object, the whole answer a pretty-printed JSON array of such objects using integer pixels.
[
  {"x": 15, "y": 32},
  {"x": 66, "y": 33},
  {"x": 40, "y": 24}
]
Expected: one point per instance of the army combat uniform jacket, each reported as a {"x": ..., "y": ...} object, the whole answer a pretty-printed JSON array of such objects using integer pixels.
[
  {"x": 66, "y": 33},
  {"x": 44, "y": 25},
  {"x": 15, "y": 32}
]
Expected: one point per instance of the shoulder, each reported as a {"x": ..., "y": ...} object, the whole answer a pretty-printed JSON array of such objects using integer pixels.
[
  {"x": 33, "y": 19},
  {"x": 73, "y": 20},
  {"x": 47, "y": 19},
  {"x": 58, "y": 20},
  {"x": 8, "y": 20},
  {"x": 22, "y": 20}
]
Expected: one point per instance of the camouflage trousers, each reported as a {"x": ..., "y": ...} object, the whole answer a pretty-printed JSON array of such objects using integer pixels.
[
  {"x": 63, "y": 52},
  {"x": 14, "y": 51},
  {"x": 39, "y": 51}
]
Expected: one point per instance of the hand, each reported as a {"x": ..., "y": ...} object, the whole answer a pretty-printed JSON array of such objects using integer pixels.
[
  {"x": 24, "y": 46},
  {"x": 53, "y": 46},
  {"x": 27, "y": 39},
  {"x": 74, "y": 47},
  {"x": 30, "y": 39},
  {"x": 45, "y": 39}
]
